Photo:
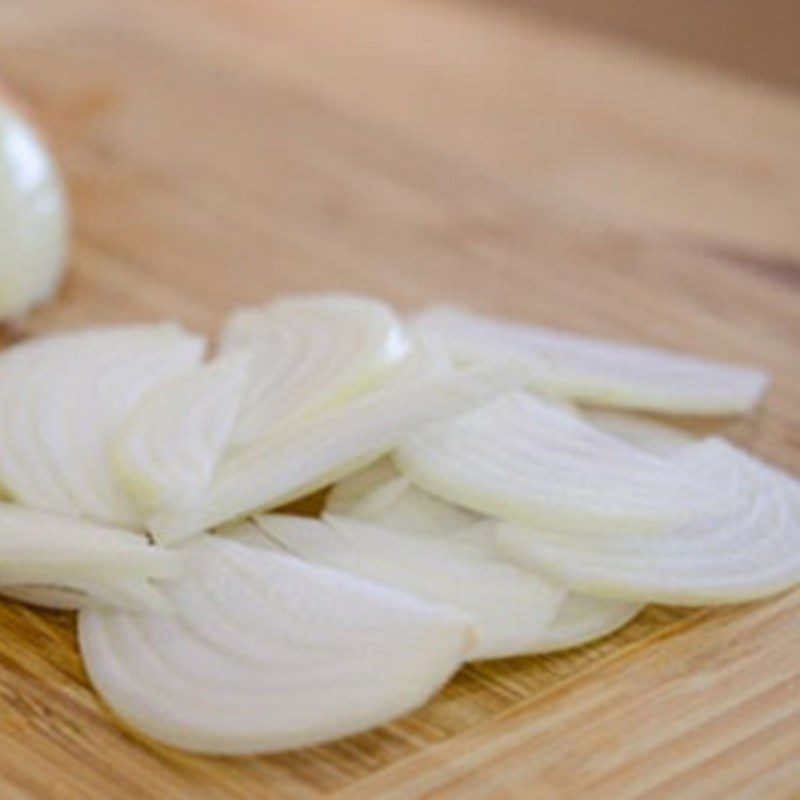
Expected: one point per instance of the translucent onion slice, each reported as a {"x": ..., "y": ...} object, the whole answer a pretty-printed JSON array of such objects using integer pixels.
[
  {"x": 596, "y": 371},
  {"x": 166, "y": 451},
  {"x": 61, "y": 397},
  {"x": 582, "y": 619},
  {"x": 61, "y": 561},
  {"x": 304, "y": 458},
  {"x": 33, "y": 217},
  {"x": 379, "y": 493},
  {"x": 311, "y": 353},
  {"x": 510, "y": 607},
  {"x": 264, "y": 652},
  {"x": 647, "y": 434},
  {"x": 523, "y": 459},
  {"x": 743, "y": 555}
]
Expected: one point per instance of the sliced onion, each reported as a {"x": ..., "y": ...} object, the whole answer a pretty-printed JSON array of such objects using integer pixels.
[
  {"x": 593, "y": 370},
  {"x": 311, "y": 353},
  {"x": 33, "y": 217},
  {"x": 166, "y": 451},
  {"x": 509, "y": 607},
  {"x": 61, "y": 398},
  {"x": 582, "y": 619},
  {"x": 61, "y": 561},
  {"x": 747, "y": 553},
  {"x": 380, "y": 494},
  {"x": 264, "y": 652},
  {"x": 306, "y": 457},
  {"x": 526, "y": 460},
  {"x": 647, "y": 434}
]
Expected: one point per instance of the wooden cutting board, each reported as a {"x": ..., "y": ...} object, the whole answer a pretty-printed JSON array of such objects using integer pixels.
[{"x": 222, "y": 151}]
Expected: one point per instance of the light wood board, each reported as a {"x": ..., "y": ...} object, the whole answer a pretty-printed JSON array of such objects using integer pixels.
[{"x": 220, "y": 152}]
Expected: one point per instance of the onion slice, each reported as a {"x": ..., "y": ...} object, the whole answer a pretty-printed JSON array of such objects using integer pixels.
[
  {"x": 311, "y": 353},
  {"x": 33, "y": 217},
  {"x": 750, "y": 552},
  {"x": 61, "y": 561},
  {"x": 593, "y": 370},
  {"x": 62, "y": 397},
  {"x": 306, "y": 457},
  {"x": 509, "y": 607},
  {"x": 264, "y": 652},
  {"x": 523, "y": 459},
  {"x": 582, "y": 619},
  {"x": 165, "y": 453}
]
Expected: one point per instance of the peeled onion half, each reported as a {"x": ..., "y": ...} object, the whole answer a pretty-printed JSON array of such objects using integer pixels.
[{"x": 33, "y": 216}]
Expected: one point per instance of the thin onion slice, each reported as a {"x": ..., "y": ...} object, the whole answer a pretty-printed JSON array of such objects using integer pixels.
[
  {"x": 33, "y": 217},
  {"x": 582, "y": 619},
  {"x": 306, "y": 457},
  {"x": 646, "y": 434},
  {"x": 593, "y": 370},
  {"x": 510, "y": 607},
  {"x": 748, "y": 553},
  {"x": 62, "y": 397},
  {"x": 311, "y": 353},
  {"x": 526, "y": 460},
  {"x": 380, "y": 494},
  {"x": 165, "y": 453},
  {"x": 264, "y": 652},
  {"x": 53, "y": 560}
]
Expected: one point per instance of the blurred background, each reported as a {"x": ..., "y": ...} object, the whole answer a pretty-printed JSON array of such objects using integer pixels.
[{"x": 758, "y": 39}]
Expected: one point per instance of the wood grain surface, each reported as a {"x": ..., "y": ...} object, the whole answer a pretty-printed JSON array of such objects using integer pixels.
[{"x": 222, "y": 151}]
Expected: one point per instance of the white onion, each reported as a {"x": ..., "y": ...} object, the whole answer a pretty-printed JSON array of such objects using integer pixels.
[
  {"x": 510, "y": 607},
  {"x": 165, "y": 453},
  {"x": 306, "y": 457},
  {"x": 593, "y": 370},
  {"x": 529, "y": 461},
  {"x": 379, "y": 494},
  {"x": 311, "y": 353},
  {"x": 61, "y": 561},
  {"x": 750, "y": 552},
  {"x": 61, "y": 398},
  {"x": 264, "y": 652},
  {"x": 33, "y": 217}
]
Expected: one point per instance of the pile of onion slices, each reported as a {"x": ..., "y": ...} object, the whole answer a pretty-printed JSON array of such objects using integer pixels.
[{"x": 492, "y": 490}]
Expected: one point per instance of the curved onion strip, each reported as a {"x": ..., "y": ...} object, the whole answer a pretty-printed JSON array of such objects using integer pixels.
[
  {"x": 582, "y": 619},
  {"x": 596, "y": 371},
  {"x": 33, "y": 217},
  {"x": 309, "y": 354},
  {"x": 380, "y": 494},
  {"x": 526, "y": 460},
  {"x": 751, "y": 552},
  {"x": 646, "y": 434},
  {"x": 264, "y": 652},
  {"x": 62, "y": 396},
  {"x": 166, "y": 451},
  {"x": 56, "y": 560},
  {"x": 510, "y": 607},
  {"x": 305, "y": 458}
]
